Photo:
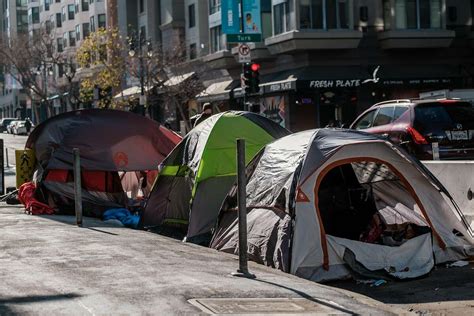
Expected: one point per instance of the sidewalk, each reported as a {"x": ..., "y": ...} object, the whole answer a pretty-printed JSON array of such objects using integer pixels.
[{"x": 50, "y": 266}]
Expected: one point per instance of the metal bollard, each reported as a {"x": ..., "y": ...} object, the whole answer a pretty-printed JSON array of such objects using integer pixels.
[
  {"x": 77, "y": 186},
  {"x": 6, "y": 156},
  {"x": 242, "y": 200},
  {"x": 435, "y": 150}
]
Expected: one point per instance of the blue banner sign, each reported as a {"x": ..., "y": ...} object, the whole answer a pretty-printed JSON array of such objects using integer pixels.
[
  {"x": 230, "y": 17},
  {"x": 252, "y": 17},
  {"x": 231, "y": 23}
]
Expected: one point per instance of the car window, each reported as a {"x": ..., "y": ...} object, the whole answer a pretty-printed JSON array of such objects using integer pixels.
[
  {"x": 438, "y": 117},
  {"x": 399, "y": 110},
  {"x": 366, "y": 120},
  {"x": 384, "y": 116}
]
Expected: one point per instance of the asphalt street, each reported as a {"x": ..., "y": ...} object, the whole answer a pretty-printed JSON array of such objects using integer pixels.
[{"x": 11, "y": 143}]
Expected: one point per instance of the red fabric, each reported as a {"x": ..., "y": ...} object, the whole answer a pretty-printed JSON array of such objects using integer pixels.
[
  {"x": 26, "y": 195},
  {"x": 57, "y": 175},
  {"x": 94, "y": 181}
]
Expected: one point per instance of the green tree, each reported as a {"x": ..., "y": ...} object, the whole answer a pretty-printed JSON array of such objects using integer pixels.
[{"x": 101, "y": 62}]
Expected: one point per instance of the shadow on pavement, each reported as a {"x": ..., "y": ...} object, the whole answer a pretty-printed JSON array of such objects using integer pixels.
[
  {"x": 28, "y": 299},
  {"x": 307, "y": 296},
  {"x": 87, "y": 222},
  {"x": 441, "y": 285}
]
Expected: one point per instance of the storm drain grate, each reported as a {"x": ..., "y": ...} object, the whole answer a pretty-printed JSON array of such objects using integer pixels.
[{"x": 268, "y": 306}]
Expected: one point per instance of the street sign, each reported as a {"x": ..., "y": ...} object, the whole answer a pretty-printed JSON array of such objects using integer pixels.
[
  {"x": 25, "y": 166},
  {"x": 244, "y": 54},
  {"x": 243, "y": 38}
]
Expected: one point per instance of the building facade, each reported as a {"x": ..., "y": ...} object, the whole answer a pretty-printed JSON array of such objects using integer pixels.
[
  {"x": 324, "y": 60},
  {"x": 14, "y": 21}
]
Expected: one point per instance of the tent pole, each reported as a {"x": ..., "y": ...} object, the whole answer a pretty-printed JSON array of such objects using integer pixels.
[
  {"x": 242, "y": 199},
  {"x": 77, "y": 186}
]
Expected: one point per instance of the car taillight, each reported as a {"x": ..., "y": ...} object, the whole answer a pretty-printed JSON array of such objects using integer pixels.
[{"x": 417, "y": 137}]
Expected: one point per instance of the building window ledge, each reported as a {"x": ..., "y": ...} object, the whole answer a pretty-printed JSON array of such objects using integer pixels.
[
  {"x": 427, "y": 38},
  {"x": 313, "y": 39},
  {"x": 259, "y": 51},
  {"x": 220, "y": 59}
]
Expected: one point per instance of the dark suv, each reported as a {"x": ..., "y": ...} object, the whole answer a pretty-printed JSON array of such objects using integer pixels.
[{"x": 417, "y": 124}]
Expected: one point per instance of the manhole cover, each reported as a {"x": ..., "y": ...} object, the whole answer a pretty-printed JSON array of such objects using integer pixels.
[{"x": 268, "y": 306}]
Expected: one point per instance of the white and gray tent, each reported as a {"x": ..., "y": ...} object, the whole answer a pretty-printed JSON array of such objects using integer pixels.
[{"x": 313, "y": 198}]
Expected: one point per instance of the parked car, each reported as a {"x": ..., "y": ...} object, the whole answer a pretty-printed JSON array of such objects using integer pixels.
[
  {"x": 11, "y": 126},
  {"x": 19, "y": 128},
  {"x": 5, "y": 122},
  {"x": 417, "y": 124}
]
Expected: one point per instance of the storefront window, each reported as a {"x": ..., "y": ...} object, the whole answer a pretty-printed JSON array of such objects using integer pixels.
[
  {"x": 418, "y": 14},
  {"x": 324, "y": 14},
  {"x": 281, "y": 18}
]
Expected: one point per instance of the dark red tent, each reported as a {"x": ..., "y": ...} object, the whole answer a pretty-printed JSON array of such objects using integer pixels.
[{"x": 110, "y": 141}]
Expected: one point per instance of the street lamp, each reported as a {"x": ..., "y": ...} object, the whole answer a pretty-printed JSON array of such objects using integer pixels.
[{"x": 134, "y": 44}]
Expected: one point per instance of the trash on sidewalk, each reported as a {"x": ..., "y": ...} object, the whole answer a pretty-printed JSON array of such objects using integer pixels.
[
  {"x": 26, "y": 195},
  {"x": 123, "y": 215},
  {"x": 372, "y": 282},
  {"x": 460, "y": 263}
]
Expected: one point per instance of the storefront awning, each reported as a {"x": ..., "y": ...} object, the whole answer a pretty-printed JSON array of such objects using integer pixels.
[
  {"x": 217, "y": 91},
  {"x": 175, "y": 80},
  {"x": 130, "y": 92}
]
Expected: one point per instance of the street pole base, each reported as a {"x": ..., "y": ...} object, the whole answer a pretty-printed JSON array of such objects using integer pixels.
[{"x": 243, "y": 274}]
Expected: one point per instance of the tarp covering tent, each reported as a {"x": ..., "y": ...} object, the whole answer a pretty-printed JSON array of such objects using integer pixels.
[
  {"x": 110, "y": 141},
  {"x": 324, "y": 203},
  {"x": 196, "y": 177}
]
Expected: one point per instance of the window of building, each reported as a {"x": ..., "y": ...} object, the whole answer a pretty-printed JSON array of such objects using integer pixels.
[
  {"x": 76, "y": 6},
  {"x": 192, "y": 15},
  {"x": 281, "y": 18},
  {"x": 63, "y": 11},
  {"x": 92, "y": 23},
  {"x": 192, "y": 51},
  {"x": 324, "y": 14},
  {"x": 143, "y": 32},
  {"x": 78, "y": 32},
  {"x": 59, "y": 45},
  {"x": 141, "y": 6},
  {"x": 46, "y": 5},
  {"x": 60, "y": 70},
  {"x": 214, "y": 6},
  {"x": 35, "y": 15},
  {"x": 70, "y": 11},
  {"x": 101, "y": 21},
  {"x": 65, "y": 38},
  {"x": 387, "y": 14},
  {"x": 417, "y": 14},
  {"x": 47, "y": 26},
  {"x": 85, "y": 5},
  {"x": 72, "y": 38},
  {"x": 59, "y": 22},
  {"x": 85, "y": 30},
  {"x": 216, "y": 39}
]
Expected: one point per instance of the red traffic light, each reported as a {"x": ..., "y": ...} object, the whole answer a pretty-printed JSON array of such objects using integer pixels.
[{"x": 255, "y": 67}]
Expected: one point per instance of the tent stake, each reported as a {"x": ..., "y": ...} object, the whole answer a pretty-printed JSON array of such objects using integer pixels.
[
  {"x": 243, "y": 270},
  {"x": 77, "y": 186}
]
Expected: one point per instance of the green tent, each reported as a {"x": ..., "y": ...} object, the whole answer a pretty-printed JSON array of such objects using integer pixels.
[{"x": 197, "y": 175}]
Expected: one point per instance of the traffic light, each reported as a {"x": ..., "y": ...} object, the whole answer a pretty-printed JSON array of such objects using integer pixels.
[
  {"x": 255, "y": 80},
  {"x": 251, "y": 78}
]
